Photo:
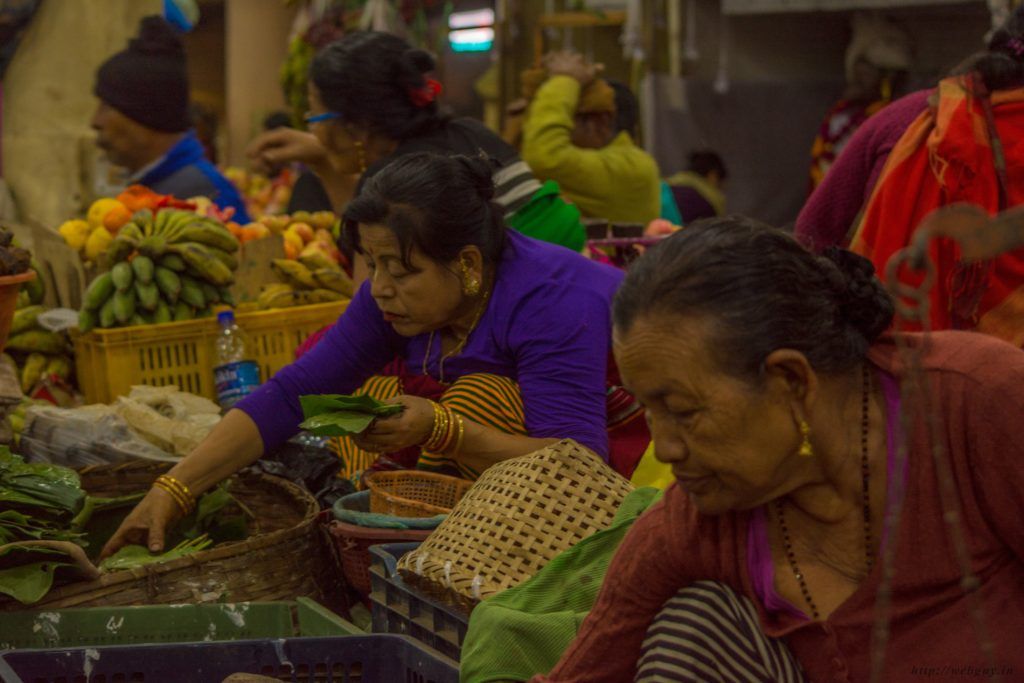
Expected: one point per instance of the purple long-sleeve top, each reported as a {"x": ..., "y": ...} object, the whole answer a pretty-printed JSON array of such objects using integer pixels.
[
  {"x": 547, "y": 326},
  {"x": 831, "y": 210}
]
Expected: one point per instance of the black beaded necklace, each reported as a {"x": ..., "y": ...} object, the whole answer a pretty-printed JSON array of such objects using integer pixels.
[{"x": 865, "y": 482}]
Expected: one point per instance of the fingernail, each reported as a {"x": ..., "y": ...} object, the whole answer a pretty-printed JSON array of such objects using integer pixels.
[{"x": 154, "y": 548}]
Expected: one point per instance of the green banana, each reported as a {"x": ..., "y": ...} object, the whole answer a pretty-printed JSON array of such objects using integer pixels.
[
  {"x": 148, "y": 295},
  {"x": 169, "y": 283},
  {"x": 142, "y": 266},
  {"x": 204, "y": 262},
  {"x": 192, "y": 293},
  {"x": 124, "y": 306},
  {"x": 122, "y": 276},
  {"x": 87, "y": 320},
  {"x": 25, "y": 318},
  {"x": 98, "y": 292}
]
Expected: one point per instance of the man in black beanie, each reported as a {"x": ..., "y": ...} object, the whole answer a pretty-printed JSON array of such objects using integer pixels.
[{"x": 143, "y": 121}]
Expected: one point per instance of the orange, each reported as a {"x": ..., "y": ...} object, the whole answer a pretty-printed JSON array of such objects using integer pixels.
[{"x": 116, "y": 217}]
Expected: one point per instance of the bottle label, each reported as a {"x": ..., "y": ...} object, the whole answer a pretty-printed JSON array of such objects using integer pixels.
[{"x": 235, "y": 381}]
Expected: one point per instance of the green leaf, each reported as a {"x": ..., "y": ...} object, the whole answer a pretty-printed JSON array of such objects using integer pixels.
[
  {"x": 26, "y": 572},
  {"x": 39, "y": 484},
  {"x": 132, "y": 556},
  {"x": 28, "y": 583},
  {"x": 341, "y": 415},
  {"x": 313, "y": 405},
  {"x": 338, "y": 423}
]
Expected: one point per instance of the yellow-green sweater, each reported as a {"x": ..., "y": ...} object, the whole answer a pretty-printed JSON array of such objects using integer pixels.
[{"x": 619, "y": 182}]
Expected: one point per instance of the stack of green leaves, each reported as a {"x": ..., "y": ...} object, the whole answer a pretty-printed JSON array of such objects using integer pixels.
[
  {"x": 39, "y": 488},
  {"x": 340, "y": 415}
]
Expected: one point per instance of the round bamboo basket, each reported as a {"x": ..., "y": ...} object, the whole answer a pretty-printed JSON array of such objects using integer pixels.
[
  {"x": 283, "y": 558},
  {"x": 413, "y": 493}
]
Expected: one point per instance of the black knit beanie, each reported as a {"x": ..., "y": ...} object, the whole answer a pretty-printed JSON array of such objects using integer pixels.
[{"x": 147, "y": 82}]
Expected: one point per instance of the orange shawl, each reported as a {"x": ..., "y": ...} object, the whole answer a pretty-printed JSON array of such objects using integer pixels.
[{"x": 944, "y": 157}]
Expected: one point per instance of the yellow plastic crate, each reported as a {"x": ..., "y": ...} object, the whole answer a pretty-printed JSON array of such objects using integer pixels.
[{"x": 110, "y": 362}]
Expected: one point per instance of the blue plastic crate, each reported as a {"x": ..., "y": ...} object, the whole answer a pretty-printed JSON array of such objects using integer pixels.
[
  {"x": 346, "y": 659},
  {"x": 399, "y": 608}
]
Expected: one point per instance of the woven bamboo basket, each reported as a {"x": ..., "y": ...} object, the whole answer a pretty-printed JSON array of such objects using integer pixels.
[
  {"x": 283, "y": 558},
  {"x": 412, "y": 493},
  {"x": 516, "y": 518}
]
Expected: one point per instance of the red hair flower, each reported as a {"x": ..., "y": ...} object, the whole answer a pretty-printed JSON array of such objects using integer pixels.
[{"x": 421, "y": 97}]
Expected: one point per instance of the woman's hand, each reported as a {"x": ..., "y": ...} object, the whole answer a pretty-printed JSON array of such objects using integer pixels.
[
  {"x": 572, "y": 64},
  {"x": 146, "y": 524},
  {"x": 411, "y": 427},
  {"x": 286, "y": 145}
]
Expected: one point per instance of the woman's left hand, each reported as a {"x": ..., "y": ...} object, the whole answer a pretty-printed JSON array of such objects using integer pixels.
[{"x": 411, "y": 427}]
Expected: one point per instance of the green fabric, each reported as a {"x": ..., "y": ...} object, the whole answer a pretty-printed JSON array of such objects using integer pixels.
[
  {"x": 669, "y": 208},
  {"x": 550, "y": 218},
  {"x": 523, "y": 631}
]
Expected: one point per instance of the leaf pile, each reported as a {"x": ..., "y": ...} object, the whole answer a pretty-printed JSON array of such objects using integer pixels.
[
  {"x": 132, "y": 556},
  {"x": 53, "y": 489},
  {"x": 340, "y": 415}
]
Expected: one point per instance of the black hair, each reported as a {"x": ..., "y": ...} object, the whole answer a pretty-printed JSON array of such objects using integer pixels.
[
  {"x": 704, "y": 161},
  {"x": 277, "y": 119},
  {"x": 367, "y": 78},
  {"x": 627, "y": 108},
  {"x": 438, "y": 204},
  {"x": 762, "y": 290},
  {"x": 1001, "y": 65}
]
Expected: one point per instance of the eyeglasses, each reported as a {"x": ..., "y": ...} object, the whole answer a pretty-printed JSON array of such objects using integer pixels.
[{"x": 327, "y": 116}]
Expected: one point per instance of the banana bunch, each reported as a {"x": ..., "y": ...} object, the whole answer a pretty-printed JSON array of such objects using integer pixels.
[
  {"x": 170, "y": 267},
  {"x": 304, "y": 282},
  {"x": 38, "y": 352}
]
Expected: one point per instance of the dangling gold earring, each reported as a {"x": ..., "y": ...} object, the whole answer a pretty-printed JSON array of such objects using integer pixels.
[
  {"x": 806, "y": 450},
  {"x": 470, "y": 285},
  {"x": 361, "y": 156}
]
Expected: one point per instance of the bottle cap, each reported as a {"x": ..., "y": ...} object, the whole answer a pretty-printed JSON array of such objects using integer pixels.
[{"x": 226, "y": 317}]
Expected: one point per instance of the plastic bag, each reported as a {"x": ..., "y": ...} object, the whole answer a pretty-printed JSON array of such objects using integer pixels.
[
  {"x": 91, "y": 435},
  {"x": 307, "y": 461}
]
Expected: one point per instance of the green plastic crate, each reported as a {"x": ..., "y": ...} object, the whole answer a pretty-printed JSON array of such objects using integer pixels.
[{"x": 93, "y": 626}]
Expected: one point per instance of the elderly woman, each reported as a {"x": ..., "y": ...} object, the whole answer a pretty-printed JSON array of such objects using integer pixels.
[
  {"x": 502, "y": 342},
  {"x": 776, "y": 399},
  {"x": 372, "y": 101}
]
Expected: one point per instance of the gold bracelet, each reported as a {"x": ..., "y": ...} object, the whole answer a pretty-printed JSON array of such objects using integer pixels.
[
  {"x": 449, "y": 433},
  {"x": 177, "y": 486},
  {"x": 181, "y": 502},
  {"x": 462, "y": 433},
  {"x": 435, "y": 429},
  {"x": 440, "y": 434},
  {"x": 178, "y": 490}
]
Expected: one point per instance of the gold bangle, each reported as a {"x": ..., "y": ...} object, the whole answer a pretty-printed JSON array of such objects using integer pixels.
[
  {"x": 449, "y": 433},
  {"x": 177, "y": 486},
  {"x": 462, "y": 433},
  {"x": 444, "y": 422},
  {"x": 435, "y": 429},
  {"x": 181, "y": 502},
  {"x": 177, "y": 489}
]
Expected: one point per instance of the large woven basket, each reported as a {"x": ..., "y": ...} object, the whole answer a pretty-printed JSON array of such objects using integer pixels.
[
  {"x": 284, "y": 557},
  {"x": 517, "y": 517},
  {"x": 413, "y": 493}
]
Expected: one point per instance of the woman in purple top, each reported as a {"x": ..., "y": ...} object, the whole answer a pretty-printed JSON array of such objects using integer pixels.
[{"x": 458, "y": 299}]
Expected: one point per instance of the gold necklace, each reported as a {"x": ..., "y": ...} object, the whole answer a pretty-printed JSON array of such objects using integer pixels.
[{"x": 458, "y": 347}]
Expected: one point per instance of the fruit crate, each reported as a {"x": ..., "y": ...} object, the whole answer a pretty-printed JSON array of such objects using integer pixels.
[
  {"x": 350, "y": 659},
  {"x": 110, "y": 362},
  {"x": 149, "y": 624},
  {"x": 400, "y": 608}
]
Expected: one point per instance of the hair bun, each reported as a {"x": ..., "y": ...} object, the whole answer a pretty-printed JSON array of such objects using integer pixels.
[
  {"x": 861, "y": 300},
  {"x": 413, "y": 64},
  {"x": 481, "y": 172},
  {"x": 156, "y": 36}
]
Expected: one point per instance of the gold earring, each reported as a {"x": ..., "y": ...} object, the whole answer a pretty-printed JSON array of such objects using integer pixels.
[
  {"x": 470, "y": 285},
  {"x": 361, "y": 156},
  {"x": 806, "y": 450}
]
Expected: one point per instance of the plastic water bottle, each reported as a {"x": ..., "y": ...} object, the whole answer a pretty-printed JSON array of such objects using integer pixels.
[{"x": 235, "y": 375}]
